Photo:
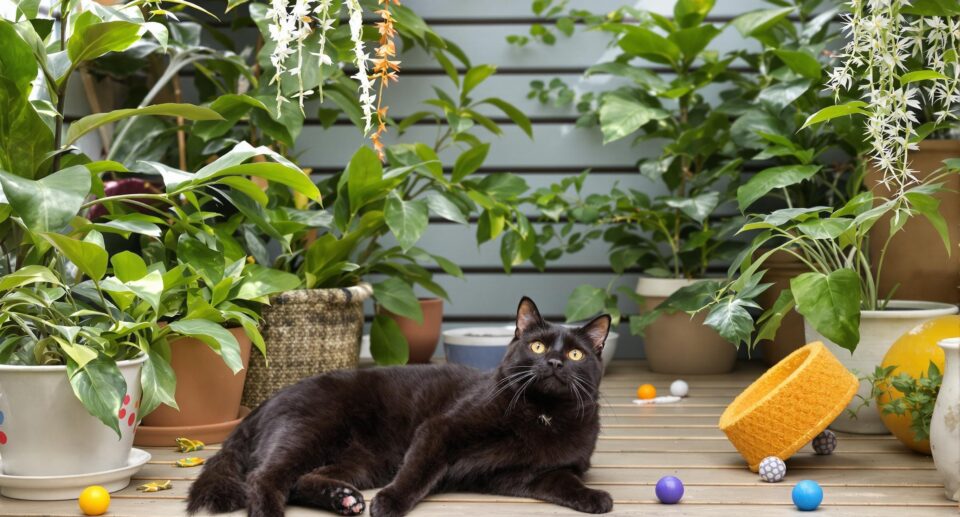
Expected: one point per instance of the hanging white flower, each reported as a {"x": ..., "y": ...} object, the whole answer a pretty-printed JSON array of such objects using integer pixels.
[{"x": 884, "y": 42}]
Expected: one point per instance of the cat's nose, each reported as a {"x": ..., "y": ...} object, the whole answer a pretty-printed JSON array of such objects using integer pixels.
[{"x": 556, "y": 363}]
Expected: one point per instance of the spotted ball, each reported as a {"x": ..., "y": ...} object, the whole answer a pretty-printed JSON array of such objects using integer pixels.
[
  {"x": 825, "y": 443},
  {"x": 772, "y": 469},
  {"x": 679, "y": 388}
]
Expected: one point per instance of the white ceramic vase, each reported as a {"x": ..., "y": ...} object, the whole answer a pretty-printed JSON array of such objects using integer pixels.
[
  {"x": 945, "y": 425},
  {"x": 46, "y": 431},
  {"x": 878, "y": 331}
]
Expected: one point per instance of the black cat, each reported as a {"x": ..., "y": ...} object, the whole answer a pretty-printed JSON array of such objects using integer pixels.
[{"x": 527, "y": 429}]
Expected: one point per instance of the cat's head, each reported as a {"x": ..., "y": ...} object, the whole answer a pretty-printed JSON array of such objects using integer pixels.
[{"x": 555, "y": 359}]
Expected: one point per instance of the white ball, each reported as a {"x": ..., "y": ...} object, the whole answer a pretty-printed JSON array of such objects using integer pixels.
[
  {"x": 772, "y": 469},
  {"x": 679, "y": 388}
]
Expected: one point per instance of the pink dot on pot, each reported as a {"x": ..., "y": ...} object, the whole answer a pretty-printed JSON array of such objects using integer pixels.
[
  {"x": 132, "y": 419},
  {"x": 126, "y": 399},
  {"x": 3, "y": 438},
  {"x": 123, "y": 413}
]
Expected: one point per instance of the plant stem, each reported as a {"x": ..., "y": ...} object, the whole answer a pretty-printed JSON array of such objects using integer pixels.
[{"x": 61, "y": 92}]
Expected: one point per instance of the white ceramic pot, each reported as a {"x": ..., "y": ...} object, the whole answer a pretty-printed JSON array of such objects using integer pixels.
[
  {"x": 878, "y": 331},
  {"x": 46, "y": 431},
  {"x": 945, "y": 425}
]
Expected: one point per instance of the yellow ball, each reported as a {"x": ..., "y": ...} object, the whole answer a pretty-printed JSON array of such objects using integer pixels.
[
  {"x": 646, "y": 392},
  {"x": 912, "y": 354},
  {"x": 94, "y": 500}
]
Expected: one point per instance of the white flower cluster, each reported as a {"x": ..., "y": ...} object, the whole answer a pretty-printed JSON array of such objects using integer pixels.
[
  {"x": 290, "y": 26},
  {"x": 884, "y": 44}
]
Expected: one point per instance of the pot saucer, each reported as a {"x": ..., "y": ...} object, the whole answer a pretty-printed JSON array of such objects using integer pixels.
[
  {"x": 53, "y": 488},
  {"x": 161, "y": 436}
]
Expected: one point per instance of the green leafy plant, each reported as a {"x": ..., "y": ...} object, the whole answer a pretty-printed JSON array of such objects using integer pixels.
[
  {"x": 918, "y": 396},
  {"x": 677, "y": 233}
]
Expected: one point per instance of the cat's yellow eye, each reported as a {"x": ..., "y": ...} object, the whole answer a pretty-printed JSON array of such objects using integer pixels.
[
  {"x": 538, "y": 347},
  {"x": 575, "y": 355}
]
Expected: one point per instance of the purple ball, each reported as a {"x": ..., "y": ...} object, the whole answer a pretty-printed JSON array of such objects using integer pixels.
[{"x": 669, "y": 490}]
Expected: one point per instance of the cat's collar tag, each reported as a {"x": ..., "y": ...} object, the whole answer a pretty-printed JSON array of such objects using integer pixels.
[{"x": 545, "y": 420}]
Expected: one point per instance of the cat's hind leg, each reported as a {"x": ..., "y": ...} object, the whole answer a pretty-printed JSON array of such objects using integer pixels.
[{"x": 322, "y": 489}]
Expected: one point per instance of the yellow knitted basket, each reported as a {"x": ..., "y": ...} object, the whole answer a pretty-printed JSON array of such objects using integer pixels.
[{"x": 788, "y": 405}]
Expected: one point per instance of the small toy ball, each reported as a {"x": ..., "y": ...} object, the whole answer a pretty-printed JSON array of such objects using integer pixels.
[
  {"x": 646, "y": 392},
  {"x": 807, "y": 495},
  {"x": 94, "y": 500},
  {"x": 825, "y": 443},
  {"x": 669, "y": 490},
  {"x": 679, "y": 388},
  {"x": 772, "y": 469}
]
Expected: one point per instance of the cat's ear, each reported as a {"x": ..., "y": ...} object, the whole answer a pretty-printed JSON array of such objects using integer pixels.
[
  {"x": 596, "y": 332},
  {"x": 528, "y": 317}
]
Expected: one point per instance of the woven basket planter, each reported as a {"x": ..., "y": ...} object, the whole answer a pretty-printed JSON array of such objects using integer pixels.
[
  {"x": 788, "y": 405},
  {"x": 307, "y": 332}
]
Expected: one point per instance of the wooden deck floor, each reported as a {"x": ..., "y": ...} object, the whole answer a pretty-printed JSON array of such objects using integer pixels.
[{"x": 868, "y": 476}]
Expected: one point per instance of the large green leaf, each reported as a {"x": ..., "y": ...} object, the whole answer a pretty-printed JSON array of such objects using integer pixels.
[
  {"x": 406, "y": 219},
  {"x": 90, "y": 258},
  {"x": 364, "y": 173},
  {"x": 90, "y": 122},
  {"x": 47, "y": 204},
  {"x": 158, "y": 380},
  {"x": 771, "y": 319},
  {"x": 621, "y": 115},
  {"x": 259, "y": 281},
  {"x": 772, "y": 178},
  {"x": 757, "y": 22},
  {"x": 231, "y": 107},
  {"x": 697, "y": 208},
  {"x": 93, "y": 40},
  {"x": 475, "y": 76},
  {"x": 280, "y": 173},
  {"x": 831, "y": 304},
  {"x": 100, "y": 387},
  {"x": 731, "y": 320},
  {"x": 692, "y": 40},
  {"x": 689, "y": 13},
  {"x": 442, "y": 206},
  {"x": 469, "y": 161},
  {"x": 388, "y": 345},
  {"x": 643, "y": 42},
  {"x": 396, "y": 296},
  {"x": 25, "y": 139},
  {"x": 585, "y": 301},
  {"x": 839, "y": 110},
  {"x": 26, "y": 275},
  {"x": 801, "y": 62},
  {"x": 219, "y": 339}
]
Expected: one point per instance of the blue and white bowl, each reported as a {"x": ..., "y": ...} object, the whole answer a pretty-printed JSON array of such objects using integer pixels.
[{"x": 480, "y": 347}]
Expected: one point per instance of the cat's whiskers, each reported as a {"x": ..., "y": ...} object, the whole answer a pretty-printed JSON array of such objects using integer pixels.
[
  {"x": 520, "y": 392},
  {"x": 511, "y": 380}
]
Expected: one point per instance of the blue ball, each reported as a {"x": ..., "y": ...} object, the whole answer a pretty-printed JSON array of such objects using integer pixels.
[
  {"x": 669, "y": 490},
  {"x": 807, "y": 495}
]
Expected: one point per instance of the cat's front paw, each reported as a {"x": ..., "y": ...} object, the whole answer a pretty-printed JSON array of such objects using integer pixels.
[
  {"x": 594, "y": 501},
  {"x": 388, "y": 504}
]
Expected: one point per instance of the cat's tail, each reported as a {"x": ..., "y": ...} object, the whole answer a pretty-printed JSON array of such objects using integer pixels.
[{"x": 220, "y": 487}]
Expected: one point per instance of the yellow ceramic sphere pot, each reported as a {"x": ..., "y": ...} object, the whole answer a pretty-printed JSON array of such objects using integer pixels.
[{"x": 912, "y": 354}]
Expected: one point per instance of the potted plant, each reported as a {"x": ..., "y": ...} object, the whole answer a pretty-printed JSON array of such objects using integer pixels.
[
  {"x": 790, "y": 168},
  {"x": 673, "y": 237},
  {"x": 908, "y": 92}
]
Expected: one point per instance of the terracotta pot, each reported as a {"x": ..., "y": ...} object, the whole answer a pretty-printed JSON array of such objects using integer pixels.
[
  {"x": 422, "y": 338},
  {"x": 207, "y": 391},
  {"x": 677, "y": 343},
  {"x": 917, "y": 259},
  {"x": 781, "y": 268}
]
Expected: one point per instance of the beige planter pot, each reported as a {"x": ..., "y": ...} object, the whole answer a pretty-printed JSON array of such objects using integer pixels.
[
  {"x": 916, "y": 260},
  {"x": 878, "y": 331},
  {"x": 677, "y": 343},
  {"x": 307, "y": 332}
]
